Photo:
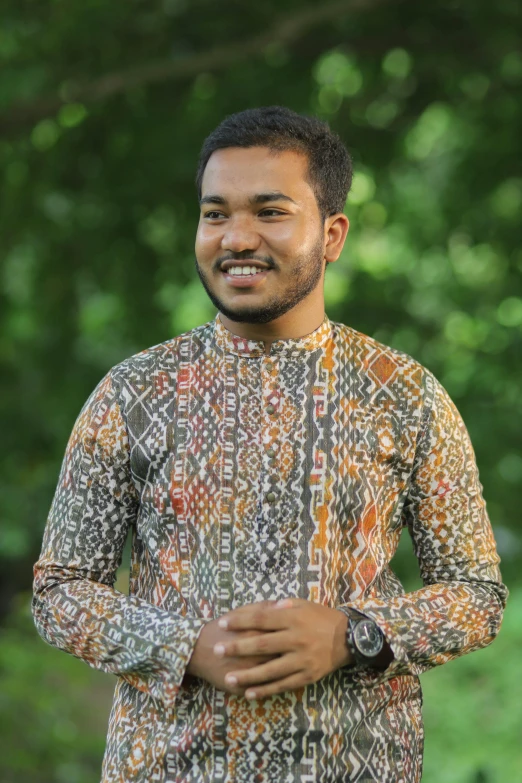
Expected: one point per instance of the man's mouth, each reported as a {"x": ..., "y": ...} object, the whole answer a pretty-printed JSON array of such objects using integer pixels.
[
  {"x": 244, "y": 271},
  {"x": 243, "y": 275}
]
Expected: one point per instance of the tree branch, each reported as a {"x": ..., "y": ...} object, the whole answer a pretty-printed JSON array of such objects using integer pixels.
[{"x": 286, "y": 30}]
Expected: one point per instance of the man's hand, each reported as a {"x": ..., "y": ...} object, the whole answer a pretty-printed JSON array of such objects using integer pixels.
[
  {"x": 206, "y": 665},
  {"x": 305, "y": 641}
]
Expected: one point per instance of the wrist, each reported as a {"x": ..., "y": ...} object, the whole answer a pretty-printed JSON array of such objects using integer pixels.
[
  {"x": 343, "y": 657},
  {"x": 366, "y": 642},
  {"x": 200, "y": 653}
]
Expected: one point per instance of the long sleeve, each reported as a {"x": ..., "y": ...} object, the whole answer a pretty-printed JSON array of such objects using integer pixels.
[
  {"x": 460, "y": 607},
  {"x": 75, "y": 605}
]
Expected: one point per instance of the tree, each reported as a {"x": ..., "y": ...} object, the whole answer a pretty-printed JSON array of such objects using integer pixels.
[{"x": 103, "y": 108}]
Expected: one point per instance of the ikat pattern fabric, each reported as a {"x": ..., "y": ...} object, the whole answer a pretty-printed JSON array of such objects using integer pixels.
[{"x": 246, "y": 476}]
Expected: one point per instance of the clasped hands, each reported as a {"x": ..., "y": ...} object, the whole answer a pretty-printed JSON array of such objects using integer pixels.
[{"x": 270, "y": 647}]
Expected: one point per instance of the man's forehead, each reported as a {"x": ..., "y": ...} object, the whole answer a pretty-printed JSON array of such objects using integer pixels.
[{"x": 255, "y": 170}]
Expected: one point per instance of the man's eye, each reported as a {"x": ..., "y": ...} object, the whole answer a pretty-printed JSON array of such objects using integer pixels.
[
  {"x": 271, "y": 212},
  {"x": 213, "y": 214}
]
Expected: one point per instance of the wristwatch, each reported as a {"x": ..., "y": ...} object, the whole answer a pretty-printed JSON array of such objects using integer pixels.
[{"x": 364, "y": 639}]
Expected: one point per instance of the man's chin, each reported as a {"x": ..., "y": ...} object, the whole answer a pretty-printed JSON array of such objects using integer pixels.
[{"x": 251, "y": 316}]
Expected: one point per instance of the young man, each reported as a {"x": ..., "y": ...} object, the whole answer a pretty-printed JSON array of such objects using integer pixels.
[{"x": 267, "y": 463}]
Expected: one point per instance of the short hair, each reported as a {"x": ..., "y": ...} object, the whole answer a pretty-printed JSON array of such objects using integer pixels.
[{"x": 279, "y": 128}]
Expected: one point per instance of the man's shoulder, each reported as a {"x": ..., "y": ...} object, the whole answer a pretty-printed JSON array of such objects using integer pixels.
[
  {"x": 165, "y": 356},
  {"x": 370, "y": 355}
]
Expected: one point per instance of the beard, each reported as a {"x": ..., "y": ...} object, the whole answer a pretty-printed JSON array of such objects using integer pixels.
[{"x": 306, "y": 275}]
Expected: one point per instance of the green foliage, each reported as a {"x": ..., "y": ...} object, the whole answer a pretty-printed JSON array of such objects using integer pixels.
[
  {"x": 100, "y": 213},
  {"x": 99, "y": 208},
  {"x": 473, "y": 711},
  {"x": 103, "y": 108},
  {"x": 53, "y": 709}
]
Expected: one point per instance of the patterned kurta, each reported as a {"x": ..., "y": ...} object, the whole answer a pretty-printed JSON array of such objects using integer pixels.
[{"x": 246, "y": 476}]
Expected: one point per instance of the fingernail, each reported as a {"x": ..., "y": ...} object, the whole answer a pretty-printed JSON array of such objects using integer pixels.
[
  {"x": 283, "y": 603},
  {"x": 250, "y": 694},
  {"x": 231, "y": 679},
  {"x": 223, "y": 623},
  {"x": 219, "y": 649}
]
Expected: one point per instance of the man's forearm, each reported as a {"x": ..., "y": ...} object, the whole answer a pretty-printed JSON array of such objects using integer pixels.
[
  {"x": 431, "y": 626},
  {"x": 113, "y": 632}
]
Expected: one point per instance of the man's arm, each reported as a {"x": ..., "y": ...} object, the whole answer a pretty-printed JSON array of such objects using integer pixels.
[
  {"x": 75, "y": 606},
  {"x": 460, "y": 607}
]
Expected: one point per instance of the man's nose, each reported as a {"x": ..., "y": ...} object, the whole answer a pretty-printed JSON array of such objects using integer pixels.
[{"x": 240, "y": 235}]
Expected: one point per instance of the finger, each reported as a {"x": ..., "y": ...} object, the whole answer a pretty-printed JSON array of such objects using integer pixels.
[
  {"x": 249, "y": 607},
  {"x": 259, "y": 618},
  {"x": 274, "y": 643},
  {"x": 286, "y": 603},
  {"x": 261, "y": 604},
  {"x": 277, "y": 669},
  {"x": 291, "y": 683}
]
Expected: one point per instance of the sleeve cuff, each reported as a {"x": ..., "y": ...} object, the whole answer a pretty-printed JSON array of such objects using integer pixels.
[
  {"x": 171, "y": 660},
  {"x": 400, "y": 663}
]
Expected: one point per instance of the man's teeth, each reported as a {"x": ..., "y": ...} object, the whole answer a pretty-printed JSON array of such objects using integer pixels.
[{"x": 243, "y": 270}]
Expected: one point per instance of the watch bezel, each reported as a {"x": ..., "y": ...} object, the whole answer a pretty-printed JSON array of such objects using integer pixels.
[{"x": 367, "y": 654}]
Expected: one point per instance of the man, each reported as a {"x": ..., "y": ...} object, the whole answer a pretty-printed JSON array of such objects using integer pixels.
[{"x": 266, "y": 464}]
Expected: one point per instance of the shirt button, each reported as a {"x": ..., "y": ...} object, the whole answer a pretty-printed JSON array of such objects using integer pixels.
[
  {"x": 270, "y": 409},
  {"x": 269, "y": 367},
  {"x": 271, "y": 453},
  {"x": 271, "y": 497}
]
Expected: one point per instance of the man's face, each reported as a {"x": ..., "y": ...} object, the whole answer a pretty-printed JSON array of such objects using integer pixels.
[{"x": 259, "y": 215}]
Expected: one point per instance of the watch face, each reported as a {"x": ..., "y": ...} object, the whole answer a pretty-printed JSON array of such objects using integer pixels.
[{"x": 368, "y": 638}]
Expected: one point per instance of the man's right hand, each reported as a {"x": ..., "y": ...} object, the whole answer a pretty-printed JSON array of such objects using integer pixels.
[{"x": 205, "y": 664}]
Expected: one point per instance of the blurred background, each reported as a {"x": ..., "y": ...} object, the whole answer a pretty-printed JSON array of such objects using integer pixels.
[{"x": 103, "y": 108}]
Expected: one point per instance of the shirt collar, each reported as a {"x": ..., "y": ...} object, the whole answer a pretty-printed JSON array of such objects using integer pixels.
[{"x": 254, "y": 348}]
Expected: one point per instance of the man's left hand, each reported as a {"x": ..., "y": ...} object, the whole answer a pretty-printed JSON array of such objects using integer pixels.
[{"x": 308, "y": 638}]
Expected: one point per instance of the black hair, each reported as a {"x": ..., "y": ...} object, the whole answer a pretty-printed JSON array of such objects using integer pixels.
[{"x": 279, "y": 128}]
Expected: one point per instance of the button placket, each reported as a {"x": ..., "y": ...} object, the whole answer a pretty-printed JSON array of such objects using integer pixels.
[
  {"x": 271, "y": 547},
  {"x": 271, "y": 399},
  {"x": 268, "y": 537}
]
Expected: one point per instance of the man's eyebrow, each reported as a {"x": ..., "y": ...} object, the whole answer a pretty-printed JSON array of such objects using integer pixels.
[
  {"x": 259, "y": 198},
  {"x": 212, "y": 200},
  {"x": 274, "y": 195}
]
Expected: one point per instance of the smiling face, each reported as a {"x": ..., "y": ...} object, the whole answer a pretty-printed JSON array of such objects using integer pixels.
[{"x": 261, "y": 243}]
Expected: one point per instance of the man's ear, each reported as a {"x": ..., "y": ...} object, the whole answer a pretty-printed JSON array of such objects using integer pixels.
[{"x": 336, "y": 230}]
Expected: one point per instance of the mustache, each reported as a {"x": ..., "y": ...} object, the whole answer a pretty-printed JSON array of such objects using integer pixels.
[{"x": 243, "y": 255}]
